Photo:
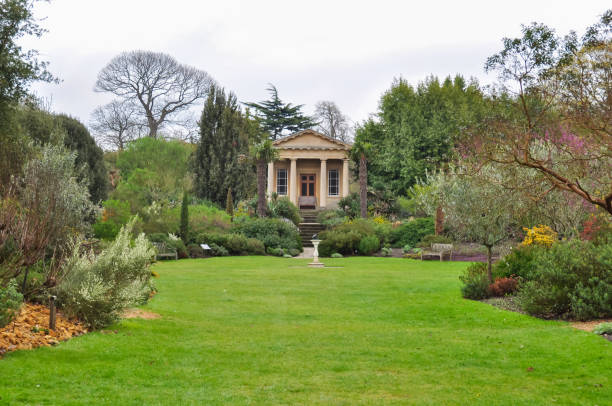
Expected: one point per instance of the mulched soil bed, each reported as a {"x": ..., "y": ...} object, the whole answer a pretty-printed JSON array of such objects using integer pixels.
[
  {"x": 30, "y": 329},
  {"x": 510, "y": 303}
]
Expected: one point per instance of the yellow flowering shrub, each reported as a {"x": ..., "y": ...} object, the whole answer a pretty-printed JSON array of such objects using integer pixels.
[
  {"x": 539, "y": 235},
  {"x": 380, "y": 220}
]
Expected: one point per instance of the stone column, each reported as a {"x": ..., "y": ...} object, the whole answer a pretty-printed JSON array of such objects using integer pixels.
[
  {"x": 270, "y": 179},
  {"x": 345, "y": 178},
  {"x": 293, "y": 181},
  {"x": 323, "y": 183}
]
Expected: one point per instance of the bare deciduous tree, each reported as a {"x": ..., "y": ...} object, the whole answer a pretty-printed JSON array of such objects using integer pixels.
[
  {"x": 115, "y": 124},
  {"x": 332, "y": 122},
  {"x": 156, "y": 82}
]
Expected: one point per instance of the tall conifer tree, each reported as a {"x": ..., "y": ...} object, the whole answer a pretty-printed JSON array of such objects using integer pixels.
[
  {"x": 224, "y": 137},
  {"x": 277, "y": 117}
]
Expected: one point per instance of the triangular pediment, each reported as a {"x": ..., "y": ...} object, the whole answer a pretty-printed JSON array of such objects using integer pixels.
[{"x": 310, "y": 139}]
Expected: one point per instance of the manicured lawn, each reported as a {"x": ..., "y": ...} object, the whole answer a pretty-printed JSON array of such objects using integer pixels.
[{"x": 257, "y": 330}]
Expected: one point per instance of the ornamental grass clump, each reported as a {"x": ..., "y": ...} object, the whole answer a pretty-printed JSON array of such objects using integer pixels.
[{"x": 98, "y": 288}]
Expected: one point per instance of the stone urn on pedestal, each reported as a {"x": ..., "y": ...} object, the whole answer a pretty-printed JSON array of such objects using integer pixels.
[{"x": 315, "y": 260}]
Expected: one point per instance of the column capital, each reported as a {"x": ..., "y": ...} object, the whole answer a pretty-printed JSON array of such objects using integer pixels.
[{"x": 323, "y": 159}]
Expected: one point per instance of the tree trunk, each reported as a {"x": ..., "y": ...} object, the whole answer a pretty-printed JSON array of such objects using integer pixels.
[
  {"x": 261, "y": 188},
  {"x": 363, "y": 186},
  {"x": 439, "y": 220},
  {"x": 489, "y": 263},
  {"x": 153, "y": 126}
]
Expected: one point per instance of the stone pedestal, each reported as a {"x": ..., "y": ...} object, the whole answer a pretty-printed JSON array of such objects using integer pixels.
[{"x": 315, "y": 260}]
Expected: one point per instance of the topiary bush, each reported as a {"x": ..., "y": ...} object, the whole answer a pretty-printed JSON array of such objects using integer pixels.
[
  {"x": 98, "y": 288},
  {"x": 337, "y": 255},
  {"x": 10, "y": 302},
  {"x": 475, "y": 282},
  {"x": 369, "y": 245}
]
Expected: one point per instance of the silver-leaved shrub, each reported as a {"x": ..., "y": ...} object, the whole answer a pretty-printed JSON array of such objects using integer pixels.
[{"x": 98, "y": 288}]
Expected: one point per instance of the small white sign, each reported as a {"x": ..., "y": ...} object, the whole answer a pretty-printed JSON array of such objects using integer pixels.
[{"x": 205, "y": 246}]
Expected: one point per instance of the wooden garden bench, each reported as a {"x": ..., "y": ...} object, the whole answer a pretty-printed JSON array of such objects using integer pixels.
[
  {"x": 438, "y": 250},
  {"x": 163, "y": 251}
]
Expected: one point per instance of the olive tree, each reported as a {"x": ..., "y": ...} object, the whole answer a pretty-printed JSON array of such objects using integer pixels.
[{"x": 475, "y": 210}]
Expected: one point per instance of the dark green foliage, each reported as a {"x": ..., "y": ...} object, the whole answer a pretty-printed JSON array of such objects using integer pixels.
[
  {"x": 278, "y": 252},
  {"x": 570, "y": 279},
  {"x": 592, "y": 300},
  {"x": 433, "y": 239},
  {"x": 345, "y": 238},
  {"x": 18, "y": 67},
  {"x": 89, "y": 156},
  {"x": 218, "y": 250},
  {"x": 411, "y": 232},
  {"x": 272, "y": 232},
  {"x": 256, "y": 247},
  {"x": 234, "y": 243},
  {"x": 10, "y": 301},
  {"x": 369, "y": 245},
  {"x": 416, "y": 129},
  {"x": 224, "y": 136},
  {"x": 283, "y": 208},
  {"x": 350, "y": 205},
  {"x": 195, "y": 251},
  {"x": 475, "y": 282},
  {"x": 521, "y": 262},
  {"x": 184, "y": 226},
  {"x": 277, "y": 117}
]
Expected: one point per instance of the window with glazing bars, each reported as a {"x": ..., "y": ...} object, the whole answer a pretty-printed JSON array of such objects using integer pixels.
[
  {"x": 333, "y": 183},
  {"x": 281, "y": 182}
]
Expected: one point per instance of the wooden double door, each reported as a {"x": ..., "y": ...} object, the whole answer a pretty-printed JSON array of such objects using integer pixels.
[{"x": 307, "y": 184}]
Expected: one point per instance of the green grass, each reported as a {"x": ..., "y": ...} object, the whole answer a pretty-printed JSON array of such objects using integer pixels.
[{"x": 260, "y": 330}]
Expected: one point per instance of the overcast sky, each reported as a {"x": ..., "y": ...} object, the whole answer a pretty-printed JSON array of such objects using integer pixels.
[{"x": 345, "y": 51}]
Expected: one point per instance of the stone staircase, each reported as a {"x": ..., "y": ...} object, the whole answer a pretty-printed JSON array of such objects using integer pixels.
[{"x": 309, "y": 226}]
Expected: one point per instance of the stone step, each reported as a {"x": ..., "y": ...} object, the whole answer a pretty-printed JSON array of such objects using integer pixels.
[{"x": 308, "y": 228}]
